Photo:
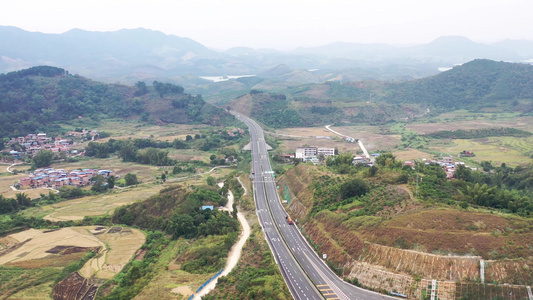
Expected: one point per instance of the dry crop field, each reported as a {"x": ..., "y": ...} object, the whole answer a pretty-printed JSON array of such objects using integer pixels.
[
  {"x": 38, "y": 256},
  {"x": 115, "y": 247},
  {"x": 96, "y": 205},
  {"x": 124, "y": 129},
  {"x": 458, "y": 120}
]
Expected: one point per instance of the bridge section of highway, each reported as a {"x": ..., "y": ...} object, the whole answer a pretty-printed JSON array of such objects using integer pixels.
[{"x": 297, "y": 259}]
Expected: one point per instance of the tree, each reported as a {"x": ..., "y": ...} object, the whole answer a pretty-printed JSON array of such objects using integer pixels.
[
  {"x": 23, "y": 199},
  {"x": 131, "y": 179},
  {"x": 43, "y": 159},
  {"x": 386, "y": 160},
  {"x": 372, "y": 171},
  {"x": 478, "y": 194},
  {"x": 163, "y": 177},
  {"x": 211, "y": 180},
  {"x": 353, "y": 188},
  {"x": 181, "y": 225},
  {"x": 177, "y": 170},
  {"x": 128, "y": 152},
  {"x": 111, "y": 181},
  {"x": 100, "y": 184},
  {"x": 463, "y": 173},
  {"x": 188, "y": 138},
  {"x": 141, "y": 88},
  {"x": 179, "y": 144}
]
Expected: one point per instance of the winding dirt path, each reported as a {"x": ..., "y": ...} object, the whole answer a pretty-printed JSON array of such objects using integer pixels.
[
  {"x": 235, "y": 252},
  {"x": 8, "y": 169}
]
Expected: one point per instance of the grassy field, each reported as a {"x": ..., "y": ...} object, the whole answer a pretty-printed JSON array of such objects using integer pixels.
[
  {"x": 171, "y": 282},
  {"x": 498, "y": 150},
  {"x": 96, "y": 205},
  {"x": 19, "y": 283},
  {"x": 124, "y": 129}
]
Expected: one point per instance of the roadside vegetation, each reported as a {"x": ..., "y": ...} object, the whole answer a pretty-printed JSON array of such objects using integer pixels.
[
  {"x": 255, "y": 277},
  {"x": 362, "y": 215}
]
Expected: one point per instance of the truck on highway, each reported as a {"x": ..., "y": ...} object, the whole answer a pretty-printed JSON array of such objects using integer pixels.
[{"x": 289, "y": 220}]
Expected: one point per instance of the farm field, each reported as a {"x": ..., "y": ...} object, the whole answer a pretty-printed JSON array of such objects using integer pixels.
[
  {"x": 120, "y": 246},
  {"x": 462, "y": 119},
  {"x": 39, "y": 256},
  {"x": 523, "y": 123},
  {"x": 510, "y": 150},
  {"x": 96, "y": 205},
  {"x": 492, "y": 149},
  {"x": 124, "y": 129}
]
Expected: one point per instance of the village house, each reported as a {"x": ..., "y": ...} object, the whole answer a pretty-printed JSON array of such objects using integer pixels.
[
  {"x": 446, "y": 162},
  {"x": 59, "y": 178},
  {"x": 33, "y": 143}
]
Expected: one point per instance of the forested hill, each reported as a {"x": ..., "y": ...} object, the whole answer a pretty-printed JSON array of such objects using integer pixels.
[
  {"x": 37, "y": 98},
  {"x": 476, "y": 84}
]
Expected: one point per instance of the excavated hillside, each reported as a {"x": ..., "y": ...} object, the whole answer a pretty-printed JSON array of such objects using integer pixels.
[{"x": 404, "y": 241}]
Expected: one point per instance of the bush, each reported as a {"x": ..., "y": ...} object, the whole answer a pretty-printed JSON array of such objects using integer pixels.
[{"x": 353, "y": 188}]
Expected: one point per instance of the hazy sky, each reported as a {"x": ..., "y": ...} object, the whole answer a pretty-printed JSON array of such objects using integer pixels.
[{"x": 283, "y": 24}]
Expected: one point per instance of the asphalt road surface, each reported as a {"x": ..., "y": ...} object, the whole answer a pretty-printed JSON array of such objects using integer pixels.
[{"x": 306, "y": 274}]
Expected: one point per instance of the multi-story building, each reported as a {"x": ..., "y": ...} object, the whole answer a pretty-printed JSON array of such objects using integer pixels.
[{"x": 309, "y": 152}]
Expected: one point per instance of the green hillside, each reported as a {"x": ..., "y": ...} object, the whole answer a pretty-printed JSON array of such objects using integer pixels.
[
  {"x": 478, "y": 84},
  {"x": 37, "y": 98}
]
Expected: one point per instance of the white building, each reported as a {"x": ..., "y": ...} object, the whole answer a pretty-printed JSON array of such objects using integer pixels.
[
  {"x": 308, "y": 152},
  {"x": 326, "y": 151},
  {"x": 304, "y": 152}
]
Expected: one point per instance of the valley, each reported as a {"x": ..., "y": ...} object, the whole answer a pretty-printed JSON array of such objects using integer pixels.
[{"x": 155, "y": 225}]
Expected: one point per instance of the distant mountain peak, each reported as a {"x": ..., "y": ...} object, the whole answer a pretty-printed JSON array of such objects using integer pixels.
[{"x": 451, "y": 39}]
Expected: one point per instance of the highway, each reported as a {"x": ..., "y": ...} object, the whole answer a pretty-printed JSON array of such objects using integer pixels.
[
  {"x": 299, "y": 284},
  {"x": 303, "y": 270}
]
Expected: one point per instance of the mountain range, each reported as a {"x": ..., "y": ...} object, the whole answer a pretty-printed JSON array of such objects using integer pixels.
[{"x": 129, "y": 55}]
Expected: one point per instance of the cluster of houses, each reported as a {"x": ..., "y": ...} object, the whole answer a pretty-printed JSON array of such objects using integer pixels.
[
  {"x": 310, "y": 154},
  {"x": 59, "y": 178},
  {"x": 447, "y": 162},
  {"x": 82, "y": 134},
  {"x": 235, "y": 131},
  {"x": 33, "y": 143}
]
